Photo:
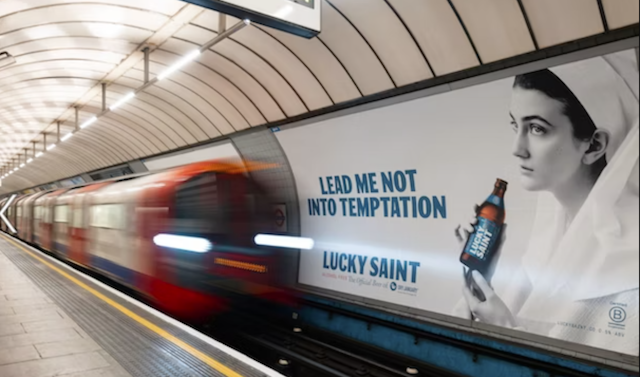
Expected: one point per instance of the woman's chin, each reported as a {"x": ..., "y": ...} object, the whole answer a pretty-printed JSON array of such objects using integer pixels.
[{"x": 530, "y": 184}]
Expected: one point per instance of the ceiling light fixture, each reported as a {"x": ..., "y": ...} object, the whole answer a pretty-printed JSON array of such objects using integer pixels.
[{"x": 6, "y": 59}]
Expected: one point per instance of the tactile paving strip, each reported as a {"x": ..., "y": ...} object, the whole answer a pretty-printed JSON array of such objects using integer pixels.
[{"x": 139, "y": 350}]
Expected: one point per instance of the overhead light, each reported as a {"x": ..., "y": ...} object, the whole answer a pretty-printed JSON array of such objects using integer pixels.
[
  {"x": 38, "y": 154},
  {"x": 51, "y": 146},
  {"x": 6, "y": 59},
  {"x": 29, "y": 160},
  {"x": 194, "y": 244},
  {"x": 122, "y": 100},
  {"x": 89, "y": 122},
  {"x": 192, "y": 55},
  {"x": 22, "y": 165},
  {"x": 67, "y": 136},
  {"x": 284, "y": 241}
]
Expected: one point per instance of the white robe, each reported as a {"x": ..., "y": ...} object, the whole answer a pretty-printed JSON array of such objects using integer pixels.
[{"x": 580, "y": 284}]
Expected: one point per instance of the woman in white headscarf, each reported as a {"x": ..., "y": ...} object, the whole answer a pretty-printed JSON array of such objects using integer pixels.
[{"x": 577, "y": 143}]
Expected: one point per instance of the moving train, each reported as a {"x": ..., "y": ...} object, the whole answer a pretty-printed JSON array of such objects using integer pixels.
[{"x": 183, "y": 238}]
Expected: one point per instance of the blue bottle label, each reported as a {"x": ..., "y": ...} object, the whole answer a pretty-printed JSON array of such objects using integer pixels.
[{"x": 483, "y": 240}]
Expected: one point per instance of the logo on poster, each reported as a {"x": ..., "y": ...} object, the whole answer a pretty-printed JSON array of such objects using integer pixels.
[{"x": 617, "y": 314}]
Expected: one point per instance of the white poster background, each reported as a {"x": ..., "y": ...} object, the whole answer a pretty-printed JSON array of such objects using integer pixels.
[{"x": 459, "y": 142}]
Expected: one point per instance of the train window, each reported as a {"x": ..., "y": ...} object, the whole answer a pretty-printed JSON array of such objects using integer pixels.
[
  {"x": 199, "y": 209},
  {"x": 46, "y": 214},
  {"x": 37, "y": 212},
  {"x": 61, "y": 214},
  {"x": 19, "y": 212},
  {"x": 77, "y": 218},
  {"x": 110, "y": 216}
]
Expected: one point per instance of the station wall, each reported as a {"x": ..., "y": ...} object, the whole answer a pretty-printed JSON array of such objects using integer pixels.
[{"x": 383, "y": 191}]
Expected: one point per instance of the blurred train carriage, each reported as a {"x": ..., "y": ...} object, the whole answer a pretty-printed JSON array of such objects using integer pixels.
[{"x": 183, "y": 238}]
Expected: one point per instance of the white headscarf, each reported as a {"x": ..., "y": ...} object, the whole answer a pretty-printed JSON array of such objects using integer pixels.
[{"x": 597, "y": 256}]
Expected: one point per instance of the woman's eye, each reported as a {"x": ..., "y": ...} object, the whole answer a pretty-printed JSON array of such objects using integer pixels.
[{"x": 537, "y": 130}]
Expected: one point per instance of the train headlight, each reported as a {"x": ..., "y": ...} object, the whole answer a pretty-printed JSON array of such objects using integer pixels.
[
  {"x": 193, "y": 244},
  {"x": 284, "y": 241}
]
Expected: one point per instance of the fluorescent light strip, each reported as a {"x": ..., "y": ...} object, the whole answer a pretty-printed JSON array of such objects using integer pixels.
[
  {"x": 191, "y": 56},
  {"x": 89, "y": 122},
  {"x": 188, "y": 58},
  {"x": 122, "y": 101},
  {"x": 22, "y": 165},
  {"x": 284, "y": 241},
  {"x": 194, "y": 244},
  {"x": 29, "y": 160}
]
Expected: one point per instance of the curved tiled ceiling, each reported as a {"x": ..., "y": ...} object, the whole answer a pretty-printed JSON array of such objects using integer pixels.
[{"x": 65, "y": 49}]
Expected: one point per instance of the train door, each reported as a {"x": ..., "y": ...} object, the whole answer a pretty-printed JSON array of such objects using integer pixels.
[
  {"x": 27, "y": 213},
  {"x": 78, "y": 231},
  {"x": 60, "y": 228}
]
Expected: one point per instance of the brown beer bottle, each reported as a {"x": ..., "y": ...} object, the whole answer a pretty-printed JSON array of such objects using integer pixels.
[{"x": 483, "y": 242}]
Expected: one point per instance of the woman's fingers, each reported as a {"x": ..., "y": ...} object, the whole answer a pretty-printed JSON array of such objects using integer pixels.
[
  {"x": 469, "y": 228},
  {"x": 458, "y": 233},
  {"x": 463, "y": 232}
]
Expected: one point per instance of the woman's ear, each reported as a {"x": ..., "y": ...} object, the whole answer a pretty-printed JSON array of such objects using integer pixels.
[{"x": 597, "y": 147}]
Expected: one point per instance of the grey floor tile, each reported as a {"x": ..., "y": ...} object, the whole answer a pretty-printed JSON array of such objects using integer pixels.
[
  {"x": 55, "y": 366},
  {"x": 10, "y": 329},
  {"x": 39, "y": 337},
  {"x": 51, "y": 324},
  {"x": 35, "y": 316},
  {"x": 67, "y": 347},
  {"x": 18, "y": 354}
]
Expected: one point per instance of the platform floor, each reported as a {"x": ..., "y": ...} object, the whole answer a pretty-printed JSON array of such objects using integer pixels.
[{"x": 55, "y": 321}]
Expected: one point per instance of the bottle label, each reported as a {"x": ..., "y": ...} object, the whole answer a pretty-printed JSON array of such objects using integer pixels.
[{"x": 483, "y": 240}]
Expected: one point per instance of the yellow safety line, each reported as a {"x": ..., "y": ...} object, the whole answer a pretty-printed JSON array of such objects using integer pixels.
[{"x": 204, "y": 358}]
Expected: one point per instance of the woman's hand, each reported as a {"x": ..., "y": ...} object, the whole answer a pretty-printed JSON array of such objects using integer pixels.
[
  {"x": 492, "y": 311},
  {"x": 464, "y": 231}
]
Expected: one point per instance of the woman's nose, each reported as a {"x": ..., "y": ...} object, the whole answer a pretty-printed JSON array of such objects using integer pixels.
[{"x": 520, "y": 148}]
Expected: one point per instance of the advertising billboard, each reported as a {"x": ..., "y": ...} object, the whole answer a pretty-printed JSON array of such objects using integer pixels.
[{"x": 512, "y": 203}]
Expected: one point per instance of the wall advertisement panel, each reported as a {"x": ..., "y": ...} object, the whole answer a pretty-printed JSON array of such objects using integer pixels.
[{"x": 530, "y": 182}]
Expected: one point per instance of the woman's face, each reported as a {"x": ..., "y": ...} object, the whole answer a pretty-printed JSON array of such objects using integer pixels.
[{"x": 548, "y": 154}]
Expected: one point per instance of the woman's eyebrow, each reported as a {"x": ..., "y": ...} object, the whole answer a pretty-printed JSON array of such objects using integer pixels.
[
  {"x": 533, "y": 117},
  {"x": 537, "y": 117}
]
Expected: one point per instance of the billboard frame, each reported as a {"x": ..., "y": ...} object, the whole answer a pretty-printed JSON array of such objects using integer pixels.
[
  {"x": 259, "y": 18},
  {"x": 524, "y": 339}
]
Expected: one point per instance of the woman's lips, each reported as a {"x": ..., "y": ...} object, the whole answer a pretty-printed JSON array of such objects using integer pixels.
[{"x": 525, "y": 170}]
